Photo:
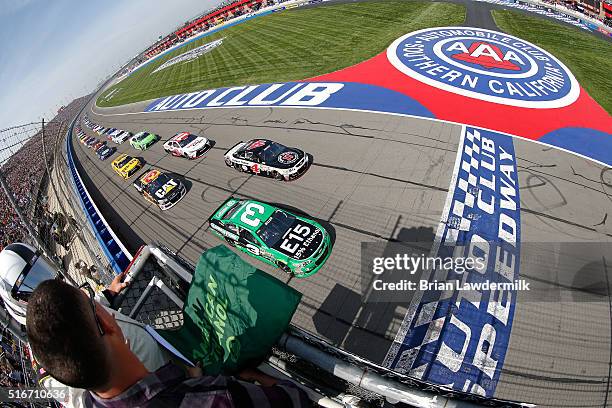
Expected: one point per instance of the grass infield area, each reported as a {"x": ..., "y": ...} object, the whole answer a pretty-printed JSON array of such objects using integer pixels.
[
  {"x": 586, "y": 55},
  {"x": 286, "y": 46}
]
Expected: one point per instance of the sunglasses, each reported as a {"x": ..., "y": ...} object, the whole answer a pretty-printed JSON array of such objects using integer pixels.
[{"x": 92, "y": 302}]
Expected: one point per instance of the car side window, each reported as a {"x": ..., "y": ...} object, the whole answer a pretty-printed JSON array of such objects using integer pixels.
[
  {"x": 246, "y": 235},
  {"x": 232, "y": 228}
]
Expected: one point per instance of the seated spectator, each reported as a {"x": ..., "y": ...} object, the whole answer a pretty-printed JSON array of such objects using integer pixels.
[{"x": 80, "y": 343}]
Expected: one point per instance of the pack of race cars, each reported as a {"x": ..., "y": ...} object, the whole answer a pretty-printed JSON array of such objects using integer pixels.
[{"x": 293, "y": 243}]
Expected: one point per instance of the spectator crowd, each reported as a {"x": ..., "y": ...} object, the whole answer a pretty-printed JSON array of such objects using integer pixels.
[
  {"x": 577, "y": 7},
  {"x": 13, "y": 353},
  {"x": 25, "y": 169}
]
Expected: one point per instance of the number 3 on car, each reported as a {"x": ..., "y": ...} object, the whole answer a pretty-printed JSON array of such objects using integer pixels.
[
  {"x": 248, "y": 216},
  {"x": 293, "y": 243}
]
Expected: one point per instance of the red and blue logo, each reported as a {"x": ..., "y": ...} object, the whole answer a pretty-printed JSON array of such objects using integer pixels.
[{"x": 486, "y": 65}]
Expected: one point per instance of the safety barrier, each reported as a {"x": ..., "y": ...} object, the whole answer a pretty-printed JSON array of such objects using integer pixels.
[
  {"x": 118, "y": 256},
  {"x": 591, "y": 23}
]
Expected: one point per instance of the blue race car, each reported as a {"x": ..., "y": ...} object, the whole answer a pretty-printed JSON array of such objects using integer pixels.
[{"x": 105, "y": 152}]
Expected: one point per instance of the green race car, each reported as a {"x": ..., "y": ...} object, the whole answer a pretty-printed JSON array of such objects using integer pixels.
[
  {"x": 290, "y": 242},
  {"x": 143, "y": 140}
]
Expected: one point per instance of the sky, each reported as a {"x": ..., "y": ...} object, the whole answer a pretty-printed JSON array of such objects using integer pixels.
[{"x": 53, "y": 51}]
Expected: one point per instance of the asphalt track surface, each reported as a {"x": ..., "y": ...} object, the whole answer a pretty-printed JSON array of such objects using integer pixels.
[{"x": 383, "y": 178}]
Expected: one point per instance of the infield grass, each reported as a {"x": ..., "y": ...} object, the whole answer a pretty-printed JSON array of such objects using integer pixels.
[
  {"x": 286, "y": 46},
  {"x": 587, "y": 56}
]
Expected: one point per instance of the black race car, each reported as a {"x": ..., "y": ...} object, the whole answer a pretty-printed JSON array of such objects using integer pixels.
[
  {"x": 160, "y": 188},
  {"x": 268, "y": 158}
]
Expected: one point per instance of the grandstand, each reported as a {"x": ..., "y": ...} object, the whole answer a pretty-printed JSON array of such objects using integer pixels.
[
  {"x": 211, "y": 18},
  {"x": 208, "y": 20},
  {"x": 25, "y": 170}
]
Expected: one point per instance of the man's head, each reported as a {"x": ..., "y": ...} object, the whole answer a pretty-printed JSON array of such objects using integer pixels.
[{"x": 65, "y": 337}]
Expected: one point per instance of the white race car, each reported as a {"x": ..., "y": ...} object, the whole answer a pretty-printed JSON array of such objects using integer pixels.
[
  {"x": 188, "y": 145},
  {"x": 264, "y": 157},
  {"x": 115, "y": 132},
  {"x": 122, "y": 137}
]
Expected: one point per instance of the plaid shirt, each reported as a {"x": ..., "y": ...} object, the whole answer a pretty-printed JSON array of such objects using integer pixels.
[{"x": 169, "y": 387}]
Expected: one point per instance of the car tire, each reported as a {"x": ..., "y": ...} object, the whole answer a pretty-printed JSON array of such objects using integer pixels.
[
  {"x": 278, "y": 176},
  {"x": 230, "y": 242},
  {"x": 228, "y": 163}
]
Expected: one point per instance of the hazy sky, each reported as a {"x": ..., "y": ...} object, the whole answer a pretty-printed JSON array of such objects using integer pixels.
[{"x": 56, "y": 50}]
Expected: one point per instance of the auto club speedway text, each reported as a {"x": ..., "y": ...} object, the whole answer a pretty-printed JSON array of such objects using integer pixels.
[{"x": 478, "y": 258}]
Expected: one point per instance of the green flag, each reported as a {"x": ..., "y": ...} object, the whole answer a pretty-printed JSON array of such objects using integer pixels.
[{"x": 233, "y": 315}]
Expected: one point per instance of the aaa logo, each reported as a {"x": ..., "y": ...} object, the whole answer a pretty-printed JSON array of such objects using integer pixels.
[
  {"x": 486, "y": 65},
  {"x": 486, "y": 55}
]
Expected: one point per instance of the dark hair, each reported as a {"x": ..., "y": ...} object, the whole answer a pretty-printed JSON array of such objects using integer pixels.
[{"x": 62, "y": 332}]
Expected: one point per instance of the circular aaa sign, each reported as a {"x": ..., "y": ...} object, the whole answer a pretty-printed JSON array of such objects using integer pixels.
[{"x": 486, "y": 65}]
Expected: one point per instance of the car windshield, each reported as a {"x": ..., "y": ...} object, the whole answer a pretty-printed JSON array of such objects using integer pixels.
[
  {"x": 124, "y": 161},
  {"x": 187, "y": 140},
  {"x": 157, "y": 183},
  {"x": 275, "y": 228},
  {"x": 141, "y": 137},
  {"x": 271, "y": 152}
]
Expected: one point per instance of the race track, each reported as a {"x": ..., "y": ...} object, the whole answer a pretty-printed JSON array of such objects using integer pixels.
[{"x": 381, "y": 178}]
